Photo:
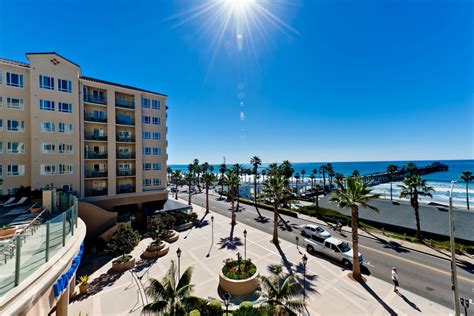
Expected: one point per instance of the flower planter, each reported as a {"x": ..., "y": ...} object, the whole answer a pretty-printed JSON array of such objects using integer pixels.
[
  {"x": 7, "y": 232},
  {"x": 123, "y": 266},
  {"x": 156, "y": 252},
  {"x": 173, "y": 237},
  {"x": 83, "y": 288},
  {"x": 153, "y": 248},
  {"x": 184, "y": 227},
  {"x": 240, "y": 287}
]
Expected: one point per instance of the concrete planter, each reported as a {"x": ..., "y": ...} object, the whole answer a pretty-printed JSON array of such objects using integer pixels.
[
  {"x": 156, "y": 252},
  {"x": 240, "y": 287},
  {"x": 7, "y": 232},
  {"x": 153, "y": 248},
  {"x": 184, "y": 227},
  {"x": 174, "y": 236},
  {"x": 123, "y": 266}
]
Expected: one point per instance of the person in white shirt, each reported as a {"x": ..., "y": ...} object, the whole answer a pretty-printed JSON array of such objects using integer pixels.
[{"x": 395, "y": 279}]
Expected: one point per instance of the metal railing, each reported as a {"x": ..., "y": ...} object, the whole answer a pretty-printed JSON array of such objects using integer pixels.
[
  {"x": 95, "y": 192},
  {"x": 122, "y": 155},
  {"x": 125, "y": 138},
  {"x": 95, "y": 155},
  {"x": 125, "y": 189},
  {"x": 94, "y": 136},
  {"x": 124, "y": 120},
  {"x": 125, "y": 172},
  {"x": 95, "y": 173},
  {"x": 39, "y": 240},
  {"x": 94, "y": 118},
  {"x": 128, "y": 104},
  {"x": 95, "y": 99}
]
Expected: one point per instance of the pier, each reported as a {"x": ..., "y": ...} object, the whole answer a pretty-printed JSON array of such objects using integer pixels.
[{"x": 385, "y": 177}]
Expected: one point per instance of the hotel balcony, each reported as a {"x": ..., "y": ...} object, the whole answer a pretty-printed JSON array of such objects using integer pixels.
[
  {"x": 95, "y": 192},
  {"x": 89, "y": 117},
  {"x": 124, "y": 103},
  {"x": 125, "y": 188},
  {"x": 95, "y": 173},
  {"x": 125, "y": 172},
  {"x": 124, "y": 120},
  {"x": 95, "y": 155},
  {"x": 122, "y": 155},
  {"x": 95, "y": 136},
  {"x": 125, "y": 138},
  {"x": 91, "y": 98}
]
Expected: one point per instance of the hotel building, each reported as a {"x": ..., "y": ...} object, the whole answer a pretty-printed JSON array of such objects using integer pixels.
[{"x": 103, "y": 141}]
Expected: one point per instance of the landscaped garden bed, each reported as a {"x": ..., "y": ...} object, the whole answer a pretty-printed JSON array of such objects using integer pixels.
[
  {"x": 156, "y": 250},
  {"x": 239, "y": 277}
]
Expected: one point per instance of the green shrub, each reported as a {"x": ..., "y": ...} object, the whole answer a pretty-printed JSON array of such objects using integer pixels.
[
  {"x": 214, "y": 307},
  {"x": 247, "y": 270},
  {"x": 194, "y": 313},
  {"x": 123, "y": 241}
]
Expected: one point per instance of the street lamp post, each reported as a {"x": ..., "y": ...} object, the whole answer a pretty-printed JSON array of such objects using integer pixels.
[
  {"x": 245, "y": 246},
  {"x": 454, "y": 279},
  {"x": 226, "y": 302},
  {"x": 178, "y": 253},
  {"x": 212, "y": 229},
  {"x": 305, "y": 261}
]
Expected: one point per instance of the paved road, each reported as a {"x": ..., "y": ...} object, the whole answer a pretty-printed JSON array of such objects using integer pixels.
[{"x": 423, "y": 274}]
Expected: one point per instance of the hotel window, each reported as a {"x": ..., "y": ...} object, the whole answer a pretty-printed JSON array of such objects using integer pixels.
[
  {"x": 64, "y": 85},
  {"x": 15, "y": 126},
  {"x": 15, "y": 170},
  {"x": 146, "y": 135},
  {"x": 46, "y": 105},
  {"x": 156, "y": 166},
  {"x": 46, "y": 82},
  {"x": 156, "y": 135},
  {"x": 1, "y": 102},
  {"x": 156, "y": 151},
  {"x": 65, "y": 107},
  {"x": 1, "y": 124},
  {"x": 155, "y": 104},
  {"x": 146, "y": 182},
  {"x": 1, "y": 174},
  {"x": 47, "y": 126},
  {"x": 145, "y": 103},
  {"x": 156, "y": 181},
  {"x": 1, "y": 77},
  {"x": 65, "y": 148},
  {"x": 146, "y": 119},
  {"x": 65, "y": 168},
  {"x": 156, "y": 120},
  {"x": 15, "y": 104},
  {"x": 16, "y": 148},
  {"x": 14, "y": 80},
  {"x": 147, "y": 151},
  {"x": 147, "y": 166},
  {"x": 47, "y": 148},
  {"x": 47, "y": 169},
  {"x": 1, "y": 147},
  {"x": 65, "y": 128}
]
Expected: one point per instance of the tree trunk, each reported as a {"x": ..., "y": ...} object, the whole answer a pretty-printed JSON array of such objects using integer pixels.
[
  {"x": 275, "y": 224},
  {"x": 467, "y": 195},
  {"x": 207, "y": 198},
  {"x": 238, "y": 196},
  {"x": 176, "y": 193},
  {"x": 356, "y": 274},
  {"x": 317, "y": 202},
  {"x": 189, "y": 193},
  {"x": 417, "y": 218},
  {"x": 232, "y": 222},
  {"x": 255, "y": 189}
]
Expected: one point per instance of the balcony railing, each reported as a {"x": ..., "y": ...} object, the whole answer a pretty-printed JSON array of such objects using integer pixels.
[
  {"x": 96, "y": 173},
  {"x": 125, "y": 189},
  {"x": 128, "y": 104},
  {"x": 94, "y": 136},
  {"x": 94, "y": 118},
  {"x": 125, "y": 172},
  {"x": 125, "y": 138},
  {"x": 95, "y": 99},
  {"x": 95, "y": 155},
  {"x": 124, "y": 120},
  {"x": 122, "y": 155},
  {"x": 95, "y": 192}
]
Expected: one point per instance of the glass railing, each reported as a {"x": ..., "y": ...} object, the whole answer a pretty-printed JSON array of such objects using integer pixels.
[
  {"x": 125, "y": 189},
  {"x": 95, "y": 99},
  {"x": 122, "y": 155},
  {"x": 94, "y": 136},
  {"x": 39, "y": 240},
  {"x": 121, "y": 103},
  {"x": 125, "y": 172},
  {"x": 124, "y": 120},
  {"x": 125, "y": 138},
  {"x": 95, "y": 155},
  {"x": 95, "y": 118},
  {"x": 95, "y": 173},
  {"x": 96, "y": 192}
]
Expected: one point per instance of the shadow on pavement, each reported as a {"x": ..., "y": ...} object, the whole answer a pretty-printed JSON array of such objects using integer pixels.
[
  {"x": 230, "y": 243},
  {"x": 287, "y": 264},
  {"x": 310, "y": 278},
  {"x": 413, "y": 305},
  {"x": 381, "y": 302},
  {"x": 98, "y": 284}
]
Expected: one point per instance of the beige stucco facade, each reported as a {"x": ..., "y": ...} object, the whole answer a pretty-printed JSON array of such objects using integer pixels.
[{"x": 96, "y": 147}]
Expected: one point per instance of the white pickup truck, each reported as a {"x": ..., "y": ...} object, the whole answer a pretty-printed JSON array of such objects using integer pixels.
[{"x": 333, "y": 248}]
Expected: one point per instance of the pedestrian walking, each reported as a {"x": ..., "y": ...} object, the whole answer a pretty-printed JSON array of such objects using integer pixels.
[{"x": 395, "y": 279}]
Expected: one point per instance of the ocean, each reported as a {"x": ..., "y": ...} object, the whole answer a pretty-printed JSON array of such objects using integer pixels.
[{"x": 440, "y": 181}]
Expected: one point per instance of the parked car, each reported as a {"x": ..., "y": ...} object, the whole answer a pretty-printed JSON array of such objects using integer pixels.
[
  {"x": 333, "y": 248},
  {"x": 311, "y": 229}
]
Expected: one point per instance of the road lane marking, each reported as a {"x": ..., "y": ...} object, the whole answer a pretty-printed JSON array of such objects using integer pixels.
[{"x": 416, "y": 263}]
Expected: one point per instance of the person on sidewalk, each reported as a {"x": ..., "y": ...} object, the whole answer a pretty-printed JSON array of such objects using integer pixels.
[{"x": 395, "y": 279}]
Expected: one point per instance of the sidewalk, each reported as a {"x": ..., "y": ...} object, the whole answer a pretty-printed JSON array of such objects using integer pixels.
[{"x": 329, "y": 290}]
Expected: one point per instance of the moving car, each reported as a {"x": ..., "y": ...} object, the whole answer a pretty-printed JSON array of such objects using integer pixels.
[
  {"x": 333, "y": 248},
  {"x": 311, "y": 229}
]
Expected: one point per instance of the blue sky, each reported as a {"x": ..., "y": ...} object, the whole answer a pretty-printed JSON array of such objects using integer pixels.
[{"x": 350, "y": 81}]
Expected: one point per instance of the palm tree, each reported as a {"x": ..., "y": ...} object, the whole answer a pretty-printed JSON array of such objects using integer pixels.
[
  {"x": 276, "y": 190},
  {"x": 413, "y": 187},
  {"x": 189, "y": 178},
  {"x": 222, "y": 170},
  {"x": 352, "y": 195},
  {"x": 355, "y": 173},
  {"x": 177, "y": 178},
  {"x": 466, "y": 176},
  {"x": 171, "y": 296},
  {"x": 208, "y": 179},
  {"x": 323, "y": 170},
  {"x": 331, "y": 174},
  {"x": 391, "y": 170},
  {"x": 169, "y": 172},
  {"x": 317, "y": 188},
  {"x": 255, "y": 162},
  {"x": 312, "y": 177},
  {"x": 339, "y": 177},
  {"x": 264, "y": 173},
  {"x": 411, "y": 168},
  {"x": 315, "y": 172},
  {"x": 279, "y": 294},
  {"x": 237, "y": 169},
  {"x": 286, "y": 169},
  {"x": 197, "y": 172},
  {"x": 232, "y": 181}
]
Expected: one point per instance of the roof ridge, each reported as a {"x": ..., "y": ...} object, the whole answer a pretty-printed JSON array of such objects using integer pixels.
[
  {"x": 14, "y": 62},
  {"x": 120, "y": 85}
]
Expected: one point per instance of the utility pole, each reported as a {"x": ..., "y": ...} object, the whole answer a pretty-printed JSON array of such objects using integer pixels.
[{"x": 454, "y": 277}]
